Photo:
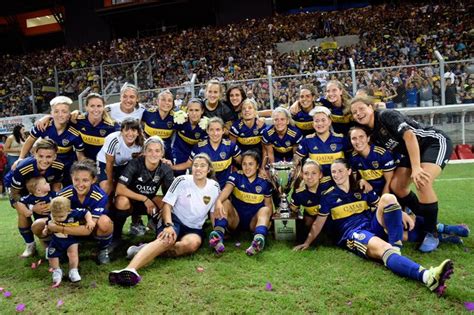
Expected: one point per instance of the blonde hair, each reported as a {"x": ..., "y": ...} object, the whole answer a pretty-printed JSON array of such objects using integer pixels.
[
  {"x": 60, "y": 206},
  {"x": 215, "y": 120},
  {"x": 32, "y": 183},
  {"x": 251, "y": 102},
  {"x": 285, "y": 112},
  {"x": 60, "y": 100},
  {"x": 346, "y": 98}
]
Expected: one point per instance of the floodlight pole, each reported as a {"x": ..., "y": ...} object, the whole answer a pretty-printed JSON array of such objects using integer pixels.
[
  {"x": 135, "y": 72},
  {"x": 33, "y": 103},
  {"x": 353, "y": 75},
  {"x": 101, "y": 69},
  {"x": 270, "y": 85},
  {"x": 56, "y": 80},
  {"x": 441, "y": 74},
  {"x": 193, "y": 81}
]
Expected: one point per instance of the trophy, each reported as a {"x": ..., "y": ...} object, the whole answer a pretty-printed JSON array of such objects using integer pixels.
[{"x": 282, "y": 176}]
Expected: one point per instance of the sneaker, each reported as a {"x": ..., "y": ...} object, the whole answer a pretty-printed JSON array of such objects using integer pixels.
[
  {"x": 437, "y": 276},
  {"x": 430, "y": 243},
  {"x": 57, "y": 276},
  {"x": 29, "y": 251},
  {"x": 459, "y": 230},
  {"x": 257, "y": 245},
  {"x": 133, "y": 250},
  {"x": 137, "y": 229},
  {"x": 74, "y": 275},
  {"x": 215, "y": 241},
  {"x": 453, "y": 239},
  {"x": 114, "y": 245},
  {"x": 103, "y": 256},
  {"x": 125, "y": 277}
]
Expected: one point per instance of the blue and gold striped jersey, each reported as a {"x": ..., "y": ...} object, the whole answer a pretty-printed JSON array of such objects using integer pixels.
[
  {"x": 341, "y": 122},
  {"x": 282, "y": 146},
  {"x": 186, "y": 138},
  {"x": 248, "y": 197},
  {"x": 221, "y": 158},
  {"x": 28, "y": 168},
  {"x": 248, "y": 138},
  {"x": 94, "y": 136},
  {"x": 348, "y": 211},
  {"x": 95, "y": 201},
  {"x": 304, "y": 122},
  {"x": 154, "y": 125},
  {"x": 324, "y": 152},
  {"x": 372, "y": 167},
  {"x": 68, "y": 141},
  {"x": 309, "y": 201}
]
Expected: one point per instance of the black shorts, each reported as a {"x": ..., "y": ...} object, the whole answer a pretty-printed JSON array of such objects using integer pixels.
[
  {"x": 433, "y": 150},
  {"x": 179, "y": 228}
]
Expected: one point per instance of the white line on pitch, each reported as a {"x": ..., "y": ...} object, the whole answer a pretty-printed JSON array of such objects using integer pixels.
[{"x": 454, "y": 179}]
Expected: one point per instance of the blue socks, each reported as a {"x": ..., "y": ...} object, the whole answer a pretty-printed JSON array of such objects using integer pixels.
[
  {"x": 27, "y": 234},
  {"x": 402, "y": 266},
  {"x": 262, "y": 230},
  {"x": 104, "y": 241},
  {"x": 220, "y": 226},
  {"x": 392, "y": 216}
]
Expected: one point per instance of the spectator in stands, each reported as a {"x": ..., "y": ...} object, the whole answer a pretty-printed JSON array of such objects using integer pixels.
[
  {"x": 426, "y": 94},
  {"x": 14, "y": 144}
]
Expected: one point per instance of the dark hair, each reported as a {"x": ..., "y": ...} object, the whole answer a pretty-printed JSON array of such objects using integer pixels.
[
  {"x": 308, "y": 87},
  {"x": 353, "y": 185},
  {"x": 132, "y": 123},
  {"x": 233, "y": 87},
  {"x": 211, "y": 174},
  {"x": 17, "y": 133},
  {"x": 196, "y": 100},
  {"x": 254, "y": 154},
  {"x": 363, "y": 128},
  {"x": 85, "y": 165}
]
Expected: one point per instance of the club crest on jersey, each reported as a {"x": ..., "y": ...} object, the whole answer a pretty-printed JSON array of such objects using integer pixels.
[
  {"x": 156, "y": 179},
  {"x": 375, "y": 164},
  {"x": 102, "y": 132},
  {"x": 255, "y": 132},
  {"x": 222, "y": 155},
  {"x": 287, "y": 143},
  {"x": 333, "y": 146},
  {"x": 358, "y": 196},
  {"x": 258, "y": 189},
  {"x": 359, "y": 236},
  {"x": 65, "y": 142},
  {"x": 197, "y": 135},
  {"x": 170, "y": 124},
  {"x": 206, "y": 199}
]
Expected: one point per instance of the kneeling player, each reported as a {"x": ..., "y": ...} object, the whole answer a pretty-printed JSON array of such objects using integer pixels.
[{"x": 250, "y": 207}]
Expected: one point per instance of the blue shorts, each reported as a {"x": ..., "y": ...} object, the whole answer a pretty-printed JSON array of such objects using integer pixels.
[
  {"x": 102, "y": 175},
  {"x": 359, "y": 238},
  {"x": 245, "y": 217},
  {"x": 58, "y": 246},
  {"x": 179, "y": 228}
]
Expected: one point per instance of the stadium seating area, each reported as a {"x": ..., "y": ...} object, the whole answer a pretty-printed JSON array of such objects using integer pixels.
[{"x": 240, "y": 51}]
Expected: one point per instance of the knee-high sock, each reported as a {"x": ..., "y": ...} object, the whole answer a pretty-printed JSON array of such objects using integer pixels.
[
  {"x": 392, "y": 216},
  {"x": 418, "y": 232},
  {"x": 104, "y": 241},
  {"x": 429, "y": 211},
  {"x": 119, "y": 220},
  {"x": 410, "y": 201},
  {"x": 220, "y": 226},
  {"x": 27, "y": 234},
  {"x": 402, "y": 266}
]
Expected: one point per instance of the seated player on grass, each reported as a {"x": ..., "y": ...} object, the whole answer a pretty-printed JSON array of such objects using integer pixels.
[
  {"x": 245, "y": 203},
  {"x": 61, "y": 243},
  {"x": 179, "y": 232},
  {"x": 363, "y": 232}
]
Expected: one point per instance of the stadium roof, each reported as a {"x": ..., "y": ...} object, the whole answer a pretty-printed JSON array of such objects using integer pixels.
[{"x": 13, "y": 7}]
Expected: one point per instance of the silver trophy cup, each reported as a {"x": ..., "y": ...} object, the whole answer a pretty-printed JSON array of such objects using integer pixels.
[{"x": 282, "y": 176}]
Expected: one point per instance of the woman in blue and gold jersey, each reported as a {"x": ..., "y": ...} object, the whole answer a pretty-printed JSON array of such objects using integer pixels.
[
  {"x": 308, "y": 196},
  {"x": 221, "y": 151},
  {"x": 338, "y": 101},
  {"x": 374, "y": 164},
  {"x": 377, "y": 235},
  {"x": 67, "y": 138},
  {"x": 95, "y": 125},
  {"x": 245, "y": 203},
  {"x": 159, "y": 121},
  {"x": 188, "y": 133},
  {"x": 300, "y": 110},
  {"x": 281, "y": 140},
  {"x": 323, "y": 146},
  {"x": 247, "y": 131}
]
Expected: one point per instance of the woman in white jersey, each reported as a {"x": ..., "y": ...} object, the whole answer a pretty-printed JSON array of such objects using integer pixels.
[
  {"x": 179, "y": 232},
  {"x": 119, "y": 148},
  {"x": 128, "y": 105}
]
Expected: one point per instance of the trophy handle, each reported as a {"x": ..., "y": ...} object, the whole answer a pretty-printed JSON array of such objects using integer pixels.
[{"x": 296, "y": 175}]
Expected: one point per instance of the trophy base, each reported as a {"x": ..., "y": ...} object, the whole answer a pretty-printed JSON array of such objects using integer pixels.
[{"x": 284, "y": 226}]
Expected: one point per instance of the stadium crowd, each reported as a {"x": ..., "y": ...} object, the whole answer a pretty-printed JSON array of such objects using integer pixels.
[{"x": 389, "y": 36}]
